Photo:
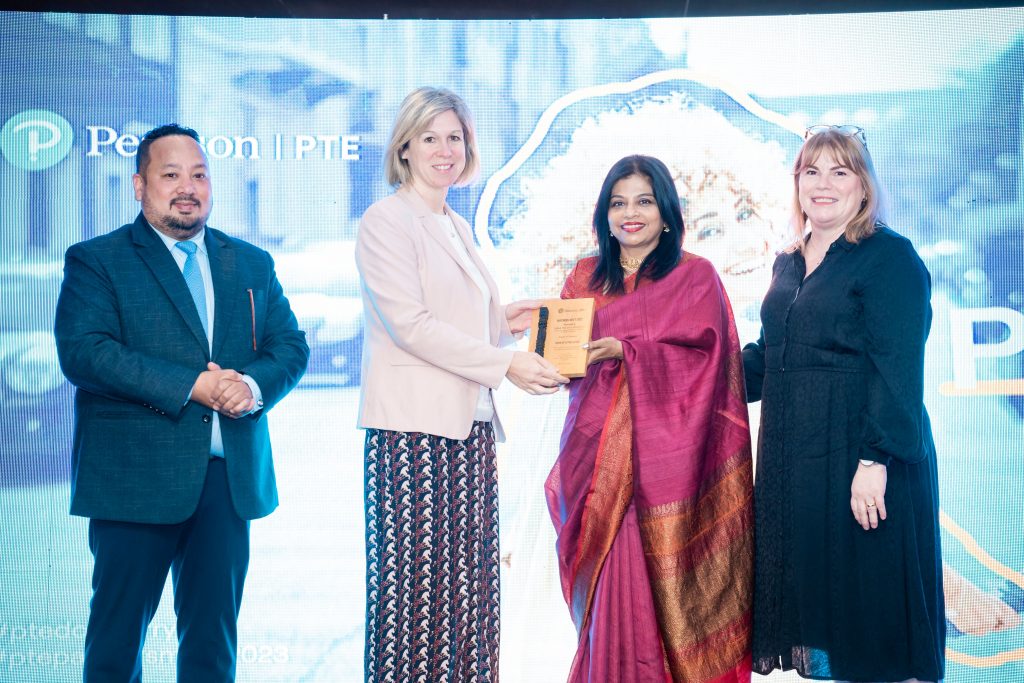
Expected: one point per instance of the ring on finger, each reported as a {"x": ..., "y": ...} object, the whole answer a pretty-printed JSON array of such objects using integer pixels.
[{"x": 871, "y": 505}]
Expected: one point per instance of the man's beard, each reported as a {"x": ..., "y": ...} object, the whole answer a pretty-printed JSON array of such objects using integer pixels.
[
  {"x": 183, "y": 227},
  {"x": 180, "y": 227}
]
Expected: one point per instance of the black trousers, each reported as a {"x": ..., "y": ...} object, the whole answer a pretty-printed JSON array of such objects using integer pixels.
[{"x": 207, "y": 554}]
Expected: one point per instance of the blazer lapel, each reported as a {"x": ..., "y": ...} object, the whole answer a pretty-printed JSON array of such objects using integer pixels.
[
  {"x": 223, "y": 269},
  {"x": 467, "y": 238},
  {"x": 429, "y": 223},
  {"x": 434, "y": 229},
  {"x": 155, "y": 255},
  {"x": 497, "y": 311}
]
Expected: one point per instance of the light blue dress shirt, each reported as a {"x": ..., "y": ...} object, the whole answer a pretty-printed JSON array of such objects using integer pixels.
[{"x": 203, "y": 259}]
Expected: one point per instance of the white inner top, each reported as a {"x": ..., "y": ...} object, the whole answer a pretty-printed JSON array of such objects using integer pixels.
[{"x": 484, "y": 404}]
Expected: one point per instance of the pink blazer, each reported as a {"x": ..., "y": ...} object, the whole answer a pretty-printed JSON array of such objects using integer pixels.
[{"x": 423, "y": 358}]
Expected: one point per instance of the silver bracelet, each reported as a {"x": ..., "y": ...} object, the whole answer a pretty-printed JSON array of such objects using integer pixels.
[{"x": 868, "y": 463}]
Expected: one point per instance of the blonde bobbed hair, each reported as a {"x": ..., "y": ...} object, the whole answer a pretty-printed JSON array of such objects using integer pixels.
[
  {"x": 418, "y": 109},
  {"x": 850, "y": 152}
]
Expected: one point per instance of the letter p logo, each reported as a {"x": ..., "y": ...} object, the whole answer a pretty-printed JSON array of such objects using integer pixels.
[
  {"x": 35, "y": 139},
  {"x": 966, "y": 352}
]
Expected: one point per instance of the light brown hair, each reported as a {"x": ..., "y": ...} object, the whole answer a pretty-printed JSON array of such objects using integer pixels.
[{"x": 853, "y": 154}]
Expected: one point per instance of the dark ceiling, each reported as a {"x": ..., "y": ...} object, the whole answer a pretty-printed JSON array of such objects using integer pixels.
[{"x": 486, "y": 9}]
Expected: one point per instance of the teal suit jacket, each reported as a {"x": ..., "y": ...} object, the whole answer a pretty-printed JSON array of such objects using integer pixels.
[{"x": 130, "y": 340}]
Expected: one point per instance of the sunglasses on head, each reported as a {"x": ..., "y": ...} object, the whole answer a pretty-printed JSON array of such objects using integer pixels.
[{"x": 849, "y": 131}]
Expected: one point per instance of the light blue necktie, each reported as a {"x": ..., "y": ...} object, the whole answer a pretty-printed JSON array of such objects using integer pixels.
[{"x": 194, "y": 280}]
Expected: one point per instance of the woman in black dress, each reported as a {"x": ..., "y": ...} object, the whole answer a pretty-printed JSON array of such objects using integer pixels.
[{"x": 848, "y": 578}]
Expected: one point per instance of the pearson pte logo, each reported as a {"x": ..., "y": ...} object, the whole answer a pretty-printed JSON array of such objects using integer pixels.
[{"x": 36, "y": 139}]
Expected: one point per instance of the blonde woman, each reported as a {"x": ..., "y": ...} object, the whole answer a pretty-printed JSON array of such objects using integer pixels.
[{"x": 432, "y": 356}]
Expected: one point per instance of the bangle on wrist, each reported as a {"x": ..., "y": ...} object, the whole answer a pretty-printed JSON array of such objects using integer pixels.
[{"x": 868, "y": 463}]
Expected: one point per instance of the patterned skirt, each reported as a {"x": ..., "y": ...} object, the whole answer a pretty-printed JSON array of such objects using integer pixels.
[{"x": 431, "y": 557}]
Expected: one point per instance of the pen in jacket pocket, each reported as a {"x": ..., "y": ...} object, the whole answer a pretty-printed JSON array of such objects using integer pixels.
[{"x": 252, "y": 311}]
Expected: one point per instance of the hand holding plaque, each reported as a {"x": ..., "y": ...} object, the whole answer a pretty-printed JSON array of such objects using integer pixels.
[{"x": 561, "y": 328}]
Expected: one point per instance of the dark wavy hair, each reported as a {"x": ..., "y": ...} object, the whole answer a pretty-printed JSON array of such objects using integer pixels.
[
  {"x": 142, "y": 156},
  {"x": 665, "y": 257}
]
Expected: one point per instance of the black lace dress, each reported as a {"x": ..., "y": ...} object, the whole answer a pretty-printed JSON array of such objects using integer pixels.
[{"x": 839, "y": 371}]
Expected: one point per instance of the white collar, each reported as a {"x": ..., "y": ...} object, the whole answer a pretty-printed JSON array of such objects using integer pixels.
[{"x": 169, "y": 242}]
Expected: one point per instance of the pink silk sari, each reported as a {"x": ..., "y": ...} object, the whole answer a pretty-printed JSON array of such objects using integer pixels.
[{"x": 651, "y": 496}]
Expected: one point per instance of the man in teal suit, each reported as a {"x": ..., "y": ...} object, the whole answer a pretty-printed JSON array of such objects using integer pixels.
[{"x": 179, "y": 340}]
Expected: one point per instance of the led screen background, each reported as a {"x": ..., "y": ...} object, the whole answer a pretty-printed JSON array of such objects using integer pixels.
[{"x": 295, "y": 114}]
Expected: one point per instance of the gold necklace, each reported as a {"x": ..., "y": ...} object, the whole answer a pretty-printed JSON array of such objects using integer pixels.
[{"x": 630, "y": 265}]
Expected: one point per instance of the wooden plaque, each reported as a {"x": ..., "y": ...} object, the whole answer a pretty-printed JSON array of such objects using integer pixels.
[{"x": 560, "y": 329}]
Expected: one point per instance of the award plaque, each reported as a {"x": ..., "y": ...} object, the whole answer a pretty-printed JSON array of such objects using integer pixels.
[{"x": 560, "y": 329}]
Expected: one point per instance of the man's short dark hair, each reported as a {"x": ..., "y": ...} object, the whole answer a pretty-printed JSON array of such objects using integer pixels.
[{"x": 142, "y": 157}]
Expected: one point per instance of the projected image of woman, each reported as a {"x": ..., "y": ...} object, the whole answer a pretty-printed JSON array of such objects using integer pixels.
[
  {"x": 848, "y": 572},
  {"x": 651, "y": 495},
  {"x": 431, "y": 358}
]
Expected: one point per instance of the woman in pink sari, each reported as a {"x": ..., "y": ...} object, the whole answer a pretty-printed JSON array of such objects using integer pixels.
[{"x": 652, "y": 491}]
